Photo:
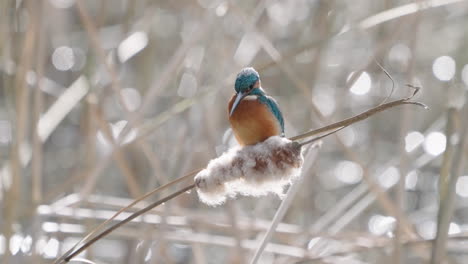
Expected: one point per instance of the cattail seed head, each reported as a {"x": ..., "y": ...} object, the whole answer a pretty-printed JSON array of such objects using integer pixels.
[{"x": 250, "y": 170}]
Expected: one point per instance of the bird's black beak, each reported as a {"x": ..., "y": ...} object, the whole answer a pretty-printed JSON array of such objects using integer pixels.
[{"x": 239, "y": 98}]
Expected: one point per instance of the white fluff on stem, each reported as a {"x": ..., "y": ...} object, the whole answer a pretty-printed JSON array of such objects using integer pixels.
[{"x": 254, "y": 170}]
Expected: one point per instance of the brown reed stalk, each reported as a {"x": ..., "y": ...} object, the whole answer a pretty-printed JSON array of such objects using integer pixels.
[{"x": 450, "y": 171}]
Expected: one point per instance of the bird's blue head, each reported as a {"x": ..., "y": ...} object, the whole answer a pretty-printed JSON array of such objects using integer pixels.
[{"x": 247, "y": 82}]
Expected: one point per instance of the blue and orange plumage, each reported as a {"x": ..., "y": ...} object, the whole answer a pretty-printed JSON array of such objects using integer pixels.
[{"x": 253, "y": 115}]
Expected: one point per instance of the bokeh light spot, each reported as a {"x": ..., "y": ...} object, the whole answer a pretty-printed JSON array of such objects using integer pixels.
[
  {"x": 464, "y": 75},
  {"x": 435, "y": 143},
  {"x": 222, "y": 8},
  {"x": 399, "y": 55},
  {"x": 348, "y": 136},
  {"x": 117, "y": 129},
  {"x": 5, "y": 131},
  {"x": 2, "y": 244},
  {"x": 348, "y": 172},
  {"x": 413, "y": 140},
  {"x": 427, "y": 229},
  {"x": 41, "y": 243},
  {"x": 51, "y": 249},
  {"x": 277, "y": 13},
  {"x": 325, "y": 103},
  {"x": 362, "y": 85},
  {"x": 462, "y": 186},
  {"x": 379, "y": 224},
  {"x": 389, "y": 177},
  {"x": 31, "y": 78},
  {"x": 15, "y": 244},
  {"x": 63, "y": 58},
  {"x": 105, "y": 146},
  {"x": 131, "y": 98},
  {"x": 444, "y": 68},
  {"x": 411, "y": 180},
  {"x": 454, "y": 228}
]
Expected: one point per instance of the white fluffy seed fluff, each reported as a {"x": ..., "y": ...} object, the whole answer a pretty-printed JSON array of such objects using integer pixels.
[{"x": 254, "y": 170}]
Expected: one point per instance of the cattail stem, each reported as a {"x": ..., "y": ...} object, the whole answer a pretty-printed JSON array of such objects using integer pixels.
[
  {"x": 139, "y": 199},
  {"x": 344, "y": 123},
  {"x": 320, "y": 137},
  {"x": 128, "y": 219}
]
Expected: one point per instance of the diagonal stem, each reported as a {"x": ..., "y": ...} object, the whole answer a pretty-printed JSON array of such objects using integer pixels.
[
  {"x": 128, "y": 219},
  {"x": 141, "y": 198},
  {"x": 360, "y": 117}
]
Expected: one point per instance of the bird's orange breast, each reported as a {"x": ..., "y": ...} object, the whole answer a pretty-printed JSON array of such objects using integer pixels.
[{"x": 252, "y": 121}]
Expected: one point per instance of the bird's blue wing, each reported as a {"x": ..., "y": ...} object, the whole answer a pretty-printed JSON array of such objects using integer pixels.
[{"x": 273, "y": 106}]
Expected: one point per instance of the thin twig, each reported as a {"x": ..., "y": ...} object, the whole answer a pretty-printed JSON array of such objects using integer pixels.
[
  {"x": 391, "y": 79},
  {"x": 322, "y": 136},
  {"x": 128, "y": 219},
  {"x": 139, "y": 199},
  {"x": 383, "y": 102},
  {"x": 361, "y": 116}
]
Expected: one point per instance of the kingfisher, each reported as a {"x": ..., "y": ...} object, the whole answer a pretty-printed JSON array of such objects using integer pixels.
[{"x": 254, "y": 116}]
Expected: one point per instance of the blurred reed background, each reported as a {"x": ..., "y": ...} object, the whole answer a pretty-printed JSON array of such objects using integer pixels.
[{"x": 104, "y": 100}]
